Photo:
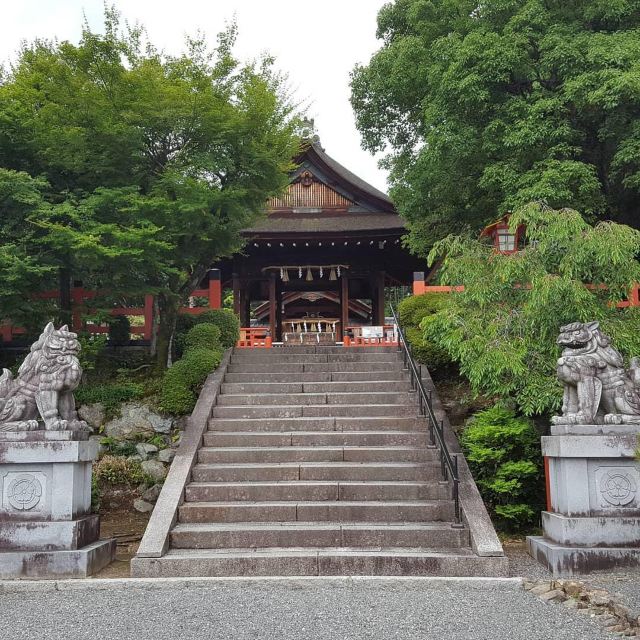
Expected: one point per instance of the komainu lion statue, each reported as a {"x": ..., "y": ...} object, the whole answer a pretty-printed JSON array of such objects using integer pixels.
[
  {"x": 597, "y": 388},
  {"x": 44, "y": 386}
]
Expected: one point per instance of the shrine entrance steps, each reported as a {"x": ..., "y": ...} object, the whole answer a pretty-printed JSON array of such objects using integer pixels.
[{"x": 316, "y": 462}]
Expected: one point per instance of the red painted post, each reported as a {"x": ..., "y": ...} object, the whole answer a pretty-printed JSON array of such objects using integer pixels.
[
  {"x": 635, "y": 296},
  {"x": 215, "y": 289},
  {"x": 418, "y": 283},
  {"x": 6, "y": 333},
  {"x": 148, "y": 317}
]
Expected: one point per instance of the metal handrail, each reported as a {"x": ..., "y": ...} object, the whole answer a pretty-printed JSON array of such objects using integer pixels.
[{"x": 448, "y": 462}]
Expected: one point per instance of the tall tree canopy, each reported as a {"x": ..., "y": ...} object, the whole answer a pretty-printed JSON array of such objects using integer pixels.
[
  {"x": 153, "y": 163},
  {"x": 487, "y": 105}
]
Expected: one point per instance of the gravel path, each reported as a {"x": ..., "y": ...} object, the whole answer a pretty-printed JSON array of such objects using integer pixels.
[
  {"x": 343, "y": 610},
  {"x": 625, "y": 584}
]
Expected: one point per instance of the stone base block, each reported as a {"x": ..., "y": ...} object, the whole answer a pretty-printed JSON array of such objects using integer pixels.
[
  {"x": 66, "y": 535},
  {"x": 591, "y": 531},
  {"x": 79, "y": 563},
  {"x": 565, "y": 561}
]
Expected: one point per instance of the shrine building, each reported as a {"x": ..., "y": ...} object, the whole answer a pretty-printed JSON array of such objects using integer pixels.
[{"x": 316, "y": 268}]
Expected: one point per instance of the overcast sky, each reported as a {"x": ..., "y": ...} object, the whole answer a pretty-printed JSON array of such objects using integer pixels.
[{"x": 317, "y": 44}]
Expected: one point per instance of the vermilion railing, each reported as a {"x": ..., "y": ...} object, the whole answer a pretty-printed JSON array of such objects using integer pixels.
[
  {"x": 254, "y": 338},
  {"x": 419, "y": 287},
  {"x": 355, "y": 337},
  {"x": 80, "y": 306}
]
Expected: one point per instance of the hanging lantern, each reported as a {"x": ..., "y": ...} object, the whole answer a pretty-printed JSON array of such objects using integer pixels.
[
  {"x": 285, "y": 275},
  {"x": 338, "y": 271},
  {"x": 300, "y": 272},
  {"x": 321, "y": 272},
  {"x": 332, "y": 274},
  {"x": 309, "y": 274}
]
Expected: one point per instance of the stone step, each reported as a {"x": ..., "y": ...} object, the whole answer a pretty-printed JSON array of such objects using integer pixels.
[
  {"x": 307, "y": 511},
  {"x": 227, "y": 455},
  {"x": 314, "y": 411},
  {"x": 313, "y": 367},
  {"x": 260, "y": 388},
  {"x": 295, "y": 399},
  {"x": 318, "y": 376},
  {"x": 323, "y": 561},
  {"x": 315, "y": 490},
  {"x": 311, "y": 534},
  {"x": 340, "y": 471},
  {"x": 293, "y": 348},
  {"x": 316, "y": 439},
  {"x": 261, "y": 425},
  {"x": 278, "y": 357}
]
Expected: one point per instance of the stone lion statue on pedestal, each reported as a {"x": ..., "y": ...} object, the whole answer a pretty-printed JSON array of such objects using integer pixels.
[
  {"x": 597, "y": 387},
  {"x": 44, "y": 386}
]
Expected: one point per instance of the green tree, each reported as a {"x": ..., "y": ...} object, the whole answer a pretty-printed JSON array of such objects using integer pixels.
[
  {"x": 486, "y": 106},
  {"x": 23, "y": 266},
  {"x": 155, "y": 162},
  {"x": 502, "y": 328}
]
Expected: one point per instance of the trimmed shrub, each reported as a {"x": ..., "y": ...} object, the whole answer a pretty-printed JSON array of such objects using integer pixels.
[
  {"x": 119, "y": 331},
  {"x": 203, "y": 336},
  {"x": 503, "y": 452},
  {"x": 414, "y": 314},
  {"x": 412, "y": 310},
  {"x": 228, "y": 323},
  {"x": 183, "y": 380}
]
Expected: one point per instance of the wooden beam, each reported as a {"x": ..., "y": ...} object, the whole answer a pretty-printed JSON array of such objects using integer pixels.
[{"x": 273, "y": 324}]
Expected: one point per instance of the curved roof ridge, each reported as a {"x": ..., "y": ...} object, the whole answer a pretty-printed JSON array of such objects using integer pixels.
[{"x": 341, "y": 171}]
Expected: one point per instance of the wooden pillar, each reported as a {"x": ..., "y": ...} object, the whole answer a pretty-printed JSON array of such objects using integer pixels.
[
  {"x": 279, "y": 312},
  {"x": 148, "y": 317},
  {"x": 215, "y": 289},
  {"x": 344, "y": 307},
  {"x": 245, "y": 304},
  {"x": 378, "y": 297},
  {"x": 236, "y": 293},
  {"x": 418, "y": 283},
  {"x": 273, "y": 324}
]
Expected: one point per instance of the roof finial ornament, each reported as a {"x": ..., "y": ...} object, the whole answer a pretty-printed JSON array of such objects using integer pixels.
[{"x": 308, "y": 131}]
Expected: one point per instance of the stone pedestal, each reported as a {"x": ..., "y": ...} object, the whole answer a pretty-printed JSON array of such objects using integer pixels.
[
  {"x": 46, "y": 526},
  {"x": 593, "y": 484}
]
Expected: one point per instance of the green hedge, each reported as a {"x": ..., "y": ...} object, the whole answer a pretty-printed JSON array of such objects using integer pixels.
[
  {"x": 413, "y": 314},
  {"x": 203, "y": 336},
  {"x": 183, "y": 380},
  {"x": 228, "y": 323},
  {"x": 225, "y": 319},
  {"x": 503, "y": 452}
]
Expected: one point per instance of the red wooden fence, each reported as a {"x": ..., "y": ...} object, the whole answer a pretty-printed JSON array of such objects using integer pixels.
[
  {"x": 80, "y": 298},
  {"x": 419, "y": 287}
]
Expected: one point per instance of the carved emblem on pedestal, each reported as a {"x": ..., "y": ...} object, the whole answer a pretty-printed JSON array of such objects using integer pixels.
[
  {"x": 23, "y": 491},
  {"x": 617, "y": 486}
]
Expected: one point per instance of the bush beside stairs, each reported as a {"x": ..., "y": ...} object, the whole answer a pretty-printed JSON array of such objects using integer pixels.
[{"x": 316, "y": 462}]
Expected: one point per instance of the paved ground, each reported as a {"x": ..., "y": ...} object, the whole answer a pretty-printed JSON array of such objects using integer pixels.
[{"x": 334, "y": 610}]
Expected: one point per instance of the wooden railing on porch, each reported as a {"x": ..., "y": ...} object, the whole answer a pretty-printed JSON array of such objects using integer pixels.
[
  {"x": 355, "y": 338},
  {"x": 254, "y": 338}
]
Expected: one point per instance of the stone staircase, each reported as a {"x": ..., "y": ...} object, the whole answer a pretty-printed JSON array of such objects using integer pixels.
[{"x": 315, "y": 462}]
